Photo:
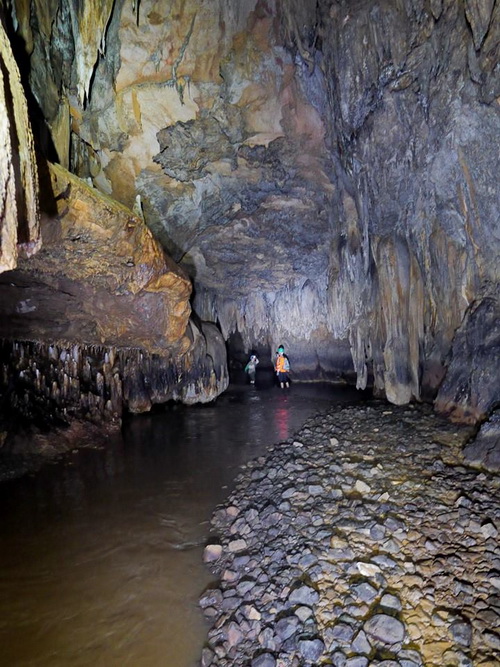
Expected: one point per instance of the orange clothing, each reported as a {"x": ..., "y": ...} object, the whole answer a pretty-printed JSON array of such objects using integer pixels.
[{"x": 282, "y": 365}]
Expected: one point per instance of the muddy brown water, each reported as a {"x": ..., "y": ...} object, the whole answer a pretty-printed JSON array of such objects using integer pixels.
[{"x": 101, "y": 554}]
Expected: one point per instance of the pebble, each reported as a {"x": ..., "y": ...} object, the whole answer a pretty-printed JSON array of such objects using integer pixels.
[
  {"x": 363, "y": 541},
  {"x": 212, "y": 553}
]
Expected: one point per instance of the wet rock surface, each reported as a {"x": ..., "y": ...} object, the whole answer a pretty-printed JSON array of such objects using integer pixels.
[
  {"x": 364, "y": 540},
  {"x": 484, "y": 450}
]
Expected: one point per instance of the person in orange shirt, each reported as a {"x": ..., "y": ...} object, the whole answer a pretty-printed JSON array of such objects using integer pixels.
[{"x": 282, "y": 367}]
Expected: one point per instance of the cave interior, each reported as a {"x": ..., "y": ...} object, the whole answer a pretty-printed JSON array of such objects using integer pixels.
[{"x": 186, "y": 182}]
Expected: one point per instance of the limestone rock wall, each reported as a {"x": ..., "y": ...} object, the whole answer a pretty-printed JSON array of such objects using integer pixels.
[
  {"x": 100, "y": 277},
  {"x": 414, "y": 90},
  {"x": 469, "y": 391},
  {"x": 324, "y": 171},
  {"x": 19, "y": 215}
]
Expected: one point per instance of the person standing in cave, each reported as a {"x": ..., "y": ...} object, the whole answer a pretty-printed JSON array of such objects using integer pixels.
[
  {"x": 251, "y": 368},
  {"x": 282, "y": 367}
]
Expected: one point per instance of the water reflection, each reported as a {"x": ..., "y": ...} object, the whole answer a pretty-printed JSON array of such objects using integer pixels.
[
  {"x": 281, "y": 419},
  {"x": 100, "y": 557}
]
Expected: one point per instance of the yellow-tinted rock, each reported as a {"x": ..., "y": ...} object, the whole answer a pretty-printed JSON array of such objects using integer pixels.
[
  {"x": 101, "y": 277},
  {"x": 19, "y": 216}
]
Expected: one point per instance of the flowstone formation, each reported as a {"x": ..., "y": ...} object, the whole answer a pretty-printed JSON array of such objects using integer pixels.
[{"x": 362, "y": 541}]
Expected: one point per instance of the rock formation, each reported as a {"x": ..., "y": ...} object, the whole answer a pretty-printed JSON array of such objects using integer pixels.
[
  {"x": 325, "y": 172},
  {"x": 105, "y": 312},
  {"x": 19, "y": 221},
  {"x": 109, "y": 312},
  {"x": 331, "y": 550}
]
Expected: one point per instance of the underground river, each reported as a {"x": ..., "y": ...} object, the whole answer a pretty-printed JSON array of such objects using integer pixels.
[{"x": 101, "y": 555}]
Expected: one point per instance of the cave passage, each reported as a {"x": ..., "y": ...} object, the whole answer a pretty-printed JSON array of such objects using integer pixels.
[{"x": 101, "y": 555}]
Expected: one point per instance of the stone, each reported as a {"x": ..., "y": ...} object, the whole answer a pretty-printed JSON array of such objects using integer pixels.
[
  {"x": 390, "y": 602},
  {"x": 341, "y": 632},
  {"x": 311, "y": 649},
  {"x": 244, "y": 586},
  {"x": 365, "y": 592},
  {"x": 264, "y": 660},
  {"x": 236, "y": 546},
  {"x": 212, "y": 597},
  {"x": 484, "y": 450},
  {"x": 469, "y": 352},
  {"x": 385, "y": 629},
  {"x": 368, "y": 569},
  {"x": 212, "y": 553},
  {"x": 207, "y": 657},
  {"x": 303, "y": 595},
  {"x": 361, "y": 487},
  {"x": 234, "y": 634},
  {"x": 339, "y": 659},
  {"x": 357, "y": 616},
  {"x": 251, "y": 613},
  {"x": 360, "y": 644},
  {"x": 461, "y": 632},
  {"x": 492, "y": 639},
  {"x": 286, "y": 627},
  {"x": 303, "y": 613}
]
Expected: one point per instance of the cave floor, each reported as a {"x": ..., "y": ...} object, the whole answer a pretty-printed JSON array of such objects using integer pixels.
[{"x": 364, "y": 540}]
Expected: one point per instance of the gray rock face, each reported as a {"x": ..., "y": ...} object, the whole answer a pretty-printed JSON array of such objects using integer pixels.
[
  {"x": 484, "y": 450},
  {"x": 384, "y": 629},
  {"x": 471, "y": 387},
  {"x": 19, "y": 212},
  {"x": 326, "y": 173}
]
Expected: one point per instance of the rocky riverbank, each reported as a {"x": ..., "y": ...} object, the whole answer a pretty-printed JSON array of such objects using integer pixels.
[{"x": 364, "y": 540}]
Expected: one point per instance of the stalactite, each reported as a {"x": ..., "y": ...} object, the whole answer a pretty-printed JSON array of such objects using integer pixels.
[
  {"x": 89, "y": 21},
  {"x": 80, "y": 381}
]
